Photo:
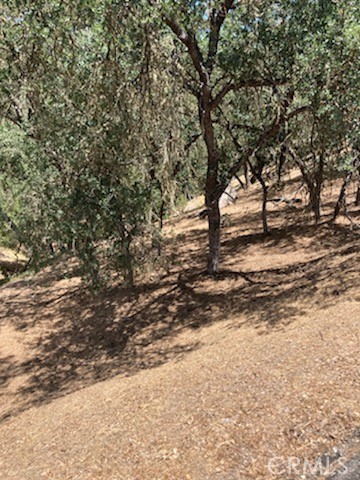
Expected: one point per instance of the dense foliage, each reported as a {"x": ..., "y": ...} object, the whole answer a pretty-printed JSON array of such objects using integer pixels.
[{"x": 114, "y": 112}]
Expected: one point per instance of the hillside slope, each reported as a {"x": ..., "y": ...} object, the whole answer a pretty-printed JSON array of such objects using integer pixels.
[{"x": 186, "y": 377}]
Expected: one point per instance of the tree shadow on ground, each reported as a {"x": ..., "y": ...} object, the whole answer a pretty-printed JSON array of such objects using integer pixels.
[{"x": 85, "y": 339}]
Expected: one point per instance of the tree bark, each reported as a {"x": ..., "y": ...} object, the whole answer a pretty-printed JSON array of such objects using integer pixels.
[
  {"x": 319, "y": 176},
  {"x": 357, "y": 167},
  {"x": 214, "y": 238},
  {"x": 211, "y": 194},
  {"x": 342, "y": 195},
  {"x": 264, "y": 207},
  {"x": 357, "y": 200},
  {"x": 315, "y": 203},
  {"x": 129, "y": 270},
  {"x": 246, "y": 175},
  {"x": 314, "y": 182},
  {"x": 282, "y": 160},
  {"x": 258, "y": 175}
]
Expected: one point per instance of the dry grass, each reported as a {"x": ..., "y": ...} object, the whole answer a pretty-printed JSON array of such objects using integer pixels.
[{"x": 187, "y": 377}]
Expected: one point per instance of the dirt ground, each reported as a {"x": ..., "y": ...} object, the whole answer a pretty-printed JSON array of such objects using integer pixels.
[{"x": 252, "y": 375}]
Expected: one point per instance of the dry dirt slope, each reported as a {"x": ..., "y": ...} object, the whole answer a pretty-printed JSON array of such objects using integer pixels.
[{"x": 189, "y": 378}]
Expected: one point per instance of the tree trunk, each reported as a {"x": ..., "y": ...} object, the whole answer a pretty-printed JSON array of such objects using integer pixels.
[
  {"x": 161, "y": 214},
  {"x": 246, "y": 175},
  {"x": 357, "y": 200},
  {"x": 264, "y": 207},
  {"x": 316, "y": 209},
  {"x": 158, "y": 236},
  {"x": 212, "y": 195},
  {"x": 357, "y": 167},
  {"x": 313, "y": 182},
  {"x": 214, "y": 238},
  {"x": 204, "y": 69},
  {"x": 281, "y": 163},
  {"x": 316, "y": 200},
  {"x": 342, "y": 195},
  {"x": 315, "y": 186},
  {"x": 257, "y": 174},
  {"x": 315, "y": 203},
  {"x": 129, "y": 271}
]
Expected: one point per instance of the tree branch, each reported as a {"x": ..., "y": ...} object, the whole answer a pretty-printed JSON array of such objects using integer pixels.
[
  {"x": 217, "y": 19},
  {"x": 301, "y": 163},
  {"x": 192, "y": 140},
  {"x": 305, "y": 108},
  {"x": 265, "y": 136},
  {"x": 230, "y": 86},
  {"x": 189, "y": 40}
]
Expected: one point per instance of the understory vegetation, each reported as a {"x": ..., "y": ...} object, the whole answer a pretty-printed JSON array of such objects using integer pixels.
[{"x": 115, "y": 113}]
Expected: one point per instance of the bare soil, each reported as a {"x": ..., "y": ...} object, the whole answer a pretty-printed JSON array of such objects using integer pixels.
[{"x": 185, "y": 377}]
